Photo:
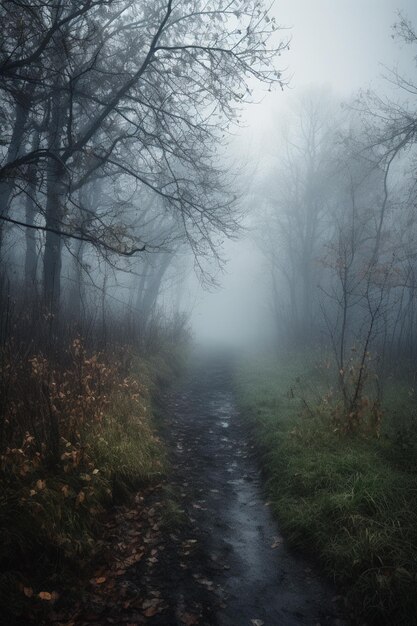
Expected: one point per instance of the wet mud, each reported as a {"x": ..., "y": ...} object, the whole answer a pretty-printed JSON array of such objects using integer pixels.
[{"x": 252, "y": 576}]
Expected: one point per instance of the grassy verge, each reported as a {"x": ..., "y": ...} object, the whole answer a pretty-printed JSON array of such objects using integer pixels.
[
  {"x": 52, "y": 511},
  {"x": 348, "y": 500}
]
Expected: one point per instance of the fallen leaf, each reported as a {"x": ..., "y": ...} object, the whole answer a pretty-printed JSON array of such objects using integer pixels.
[
  {"x": 257, "y": 622},
  {"x": 28, "y": 591},
  {"x": 45, "y": 595},
  {"x": 40, "y": 484},
  {"x": 207, "y": 583},
  {"x": 65, "y": 491},
  {"x": 153, "y": 610},
  {"x": 100, "y": 580},
  {"x": 120, "y": 572},
  {"x": 80, "y": 497},
  {"x": 276, "y": 542}
]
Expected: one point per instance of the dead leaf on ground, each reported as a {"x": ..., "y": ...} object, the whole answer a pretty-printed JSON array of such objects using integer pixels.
[
  {"x": 209, "y": 584},
  {"x": 257, "y": 622},
  {"x": 100, "y": 580},
  {"x": 28, "y": 591},
  {"x": 277, "y": 542},
  {"x": 80, "y": 498},
  {"x": 153, "y": 610},
  {"x": 45, "y": 595},
  {"x": 120, "y": 572}
]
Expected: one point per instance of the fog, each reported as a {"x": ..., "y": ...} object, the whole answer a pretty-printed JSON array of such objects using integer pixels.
[
  {"x": 202, "y": 192},
  {"x": 343, "y": 47}
]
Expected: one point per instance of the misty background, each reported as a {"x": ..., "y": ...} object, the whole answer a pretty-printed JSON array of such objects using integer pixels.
[{"x": 339, "y": 46}]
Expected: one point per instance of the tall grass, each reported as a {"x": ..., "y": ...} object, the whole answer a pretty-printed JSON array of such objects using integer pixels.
[{"x": 349, "y": 500}]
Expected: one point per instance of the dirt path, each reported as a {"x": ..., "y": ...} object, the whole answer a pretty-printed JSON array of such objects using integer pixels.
[
  {"x": 255, "y": 578},
  {"x": 226, "y": 563}
]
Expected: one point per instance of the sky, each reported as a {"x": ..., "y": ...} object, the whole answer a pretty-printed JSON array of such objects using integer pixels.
[{"x": 341, "y": 44}]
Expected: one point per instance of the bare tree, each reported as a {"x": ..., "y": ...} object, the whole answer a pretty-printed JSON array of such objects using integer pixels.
[
  {"x": 140, "y": 89},
  {"x": 300, "y": 191}
]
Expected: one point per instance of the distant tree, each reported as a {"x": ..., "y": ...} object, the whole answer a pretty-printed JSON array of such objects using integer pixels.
[
  {"x": 389, "y": 125},
  {"x": 299, "y": 188}
]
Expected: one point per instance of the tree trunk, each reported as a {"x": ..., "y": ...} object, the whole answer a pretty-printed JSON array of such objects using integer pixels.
[
  {"x": 54, "y": 211},
  {"x": 30, "y": 235},
  {"x": 7, "y": 185},
  {"x": 77, "y": 288},
  {"x": 153, "y": 287},
  {"x": 52, "y": 261}
]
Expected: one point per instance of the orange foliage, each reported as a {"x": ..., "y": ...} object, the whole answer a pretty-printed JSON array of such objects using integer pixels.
[{"x": 46, "y": 405}]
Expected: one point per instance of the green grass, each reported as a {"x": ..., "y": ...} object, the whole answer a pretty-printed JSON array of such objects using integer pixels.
[
  {"x": 126, "y": 447},
  {"x": 350, "y": 501}
]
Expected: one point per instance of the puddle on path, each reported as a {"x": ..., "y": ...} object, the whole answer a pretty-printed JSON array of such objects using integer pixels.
[{"x": 257, "y": 577}]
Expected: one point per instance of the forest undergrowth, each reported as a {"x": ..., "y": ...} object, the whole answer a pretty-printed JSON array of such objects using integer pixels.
[
  {"x": 344, "y": 495},
  {"x": 78, "y": 436}
]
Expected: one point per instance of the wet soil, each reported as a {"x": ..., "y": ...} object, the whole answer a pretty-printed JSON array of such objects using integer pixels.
[
  {"x": 255, "y": 578},
  {"x": 203, "y": 548}
]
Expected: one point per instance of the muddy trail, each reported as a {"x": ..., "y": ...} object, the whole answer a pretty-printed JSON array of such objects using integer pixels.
[
  {"x": 251, "y": 576},
  {"x": 202, "y": 548}
]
